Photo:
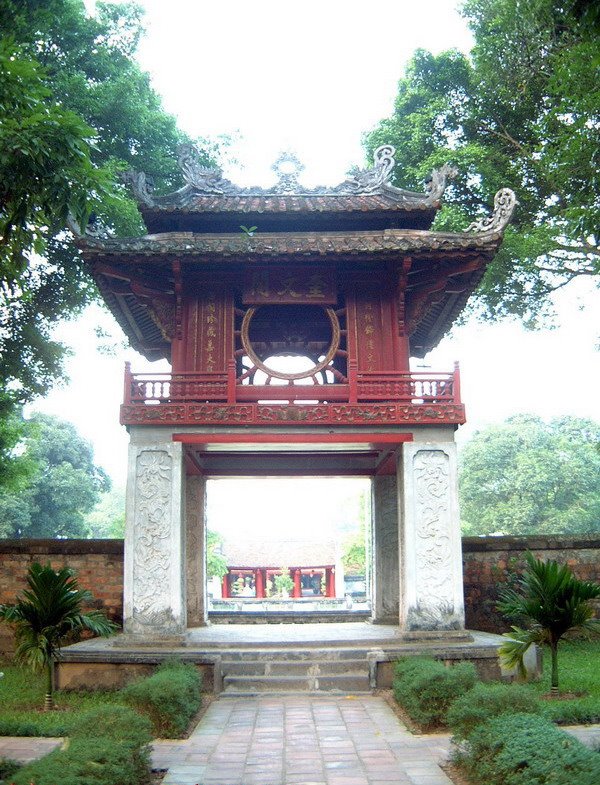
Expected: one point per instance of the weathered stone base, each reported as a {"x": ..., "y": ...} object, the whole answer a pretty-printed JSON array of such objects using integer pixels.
[{"x": 114, "y": 662}]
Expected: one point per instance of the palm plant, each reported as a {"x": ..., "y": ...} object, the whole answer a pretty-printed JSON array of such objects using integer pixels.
[
  {"x": 553, "y": 602},
  {"x": 47, "y": 613}
]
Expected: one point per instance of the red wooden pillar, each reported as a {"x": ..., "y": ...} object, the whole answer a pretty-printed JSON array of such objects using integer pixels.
[
  {"x": 297, "y": 593},
  {"x": 330, "y": 581},
  {"x": 259, "y": 583},
  {"x": 225, "y": 586}
]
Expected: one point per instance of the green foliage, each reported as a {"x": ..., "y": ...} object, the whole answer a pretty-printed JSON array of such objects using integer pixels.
[
  {"x": 485, "y": 701},
  {"x": 527, "y": 476},
  {"x": 284, "y": 583},
  {"x": 50, "y": 611},
  {"x": 170, "y": 697},
  {"x": 77, "y": 110},
  {"x": 216, "y": 564},
  {"x": 524, "y": 749},
  {"x": 21, "y": 694},
  {"x": 124, "y": 727},
  {"x": 86, "y": 761},
  {"x": 553, "y": 602},
  {"x": 8, "y": 768},
  {"x": 580, "y": 676},
  {"x": 426, "y": 688},
  {"x": 64, "y": 485},
  {"x": 107, "y": 518},
  {"x": 521, "y": 111},
  {"x": 16, "y": 467},
  {"x": 354, "y": 557}
]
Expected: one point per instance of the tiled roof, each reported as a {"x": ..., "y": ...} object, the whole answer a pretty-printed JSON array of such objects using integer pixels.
[
  {"x": 280, "y": 553},
  {"x": 278, "y": 243},
  {"x": 190, "y": 201}
]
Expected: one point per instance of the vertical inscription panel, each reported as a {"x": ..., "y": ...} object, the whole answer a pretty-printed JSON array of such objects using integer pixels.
[
  {"x": 208, "y": 334},
  {"x": 372, "y": 326},
  {"x": 432, "y": 564}
]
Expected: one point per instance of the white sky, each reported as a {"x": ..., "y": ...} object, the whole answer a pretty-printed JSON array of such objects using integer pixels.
[{"x": 313, "y": 76}]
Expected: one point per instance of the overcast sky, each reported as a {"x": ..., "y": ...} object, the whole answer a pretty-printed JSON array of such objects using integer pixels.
[{"x": 313, "y": 76}]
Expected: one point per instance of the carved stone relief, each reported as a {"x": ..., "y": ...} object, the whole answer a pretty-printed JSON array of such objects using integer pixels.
[
  {"x": 195, "y": 534},
  {"x": 152, "y": 536},
  {"x": 433, "y": 541}
]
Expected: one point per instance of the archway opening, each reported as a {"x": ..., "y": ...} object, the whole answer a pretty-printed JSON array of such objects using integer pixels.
[{"x": 297, "y": 545}]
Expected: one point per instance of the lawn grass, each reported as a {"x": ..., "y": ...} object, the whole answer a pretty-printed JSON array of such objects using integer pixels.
[
  {"x": 578, "y": 672},
  {"x": 22, "y": 698}
]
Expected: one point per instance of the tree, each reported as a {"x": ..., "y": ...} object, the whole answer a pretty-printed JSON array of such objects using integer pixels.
[
  {"x": 521, "y": 111},
  {"x": 77, "y": 110},
  {"x": 216, "y": 564},
  {"x": 107, "y": 518},
  {"x": 354, "y": 557},
  {"x": 66, "y": 483},
  {"x": 553, "y": 602},
  {"x": 527, "y": 476},
  {"x": 46, "y": 615}
]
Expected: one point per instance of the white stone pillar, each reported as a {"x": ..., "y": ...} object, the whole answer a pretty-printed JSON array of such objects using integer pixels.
[
  {"x": 195, "y": 521},
  {"x": 154, "y": 584},
  {"x": 431, "y": 584},
  {"x": 386, "y": 585}
]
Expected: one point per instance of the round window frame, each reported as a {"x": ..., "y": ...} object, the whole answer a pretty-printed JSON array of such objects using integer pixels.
[{"x": 334, "y": 346}]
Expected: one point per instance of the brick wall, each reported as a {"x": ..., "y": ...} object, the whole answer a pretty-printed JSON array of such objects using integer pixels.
[
  {"x": 98, "y": 564},
  {"x": 488, "y": 562}
]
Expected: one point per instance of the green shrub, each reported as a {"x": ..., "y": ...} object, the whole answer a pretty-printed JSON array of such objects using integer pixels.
[
  {"x": 85, "y": 762},
  {"x": 114, "y": 722},
  {"x": 8, "y": 768},
  {"x": 170, "y": 697},
  {"x": 485, "y": 701},
  {"x": 425, "y": 688},
  {"x": 125, "y": 727},
  {"x": 526, "y": 749}
]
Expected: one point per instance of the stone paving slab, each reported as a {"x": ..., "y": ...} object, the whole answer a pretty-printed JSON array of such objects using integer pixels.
[
  {"x": 301, "y": 740},
  {"x": 24, "y": 749}
]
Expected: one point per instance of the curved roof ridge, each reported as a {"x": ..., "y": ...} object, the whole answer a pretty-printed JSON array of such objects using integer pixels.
[{"x": 202, "y": 181}]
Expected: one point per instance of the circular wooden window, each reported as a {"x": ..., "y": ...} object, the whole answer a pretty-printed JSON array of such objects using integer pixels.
[{"x": 321, "y": 365}]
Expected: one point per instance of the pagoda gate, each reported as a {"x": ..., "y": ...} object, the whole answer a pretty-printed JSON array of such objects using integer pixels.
[{"x": 352, "y": 281}]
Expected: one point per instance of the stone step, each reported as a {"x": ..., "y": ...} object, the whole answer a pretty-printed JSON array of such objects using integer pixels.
[
  {"x": 337, "y": 683},
  {"x": 304, "y": 667},
  {"x": 320, "y": 654}
]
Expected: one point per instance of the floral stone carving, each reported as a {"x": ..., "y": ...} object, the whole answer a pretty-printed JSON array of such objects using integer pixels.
[
  {"x": 151, "y": 550},
  {"x": 433, "y": 542}
]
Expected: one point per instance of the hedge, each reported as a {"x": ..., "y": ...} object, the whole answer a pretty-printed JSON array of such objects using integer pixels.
[
  {"x": 110, "y": 745},
  {"x": 170, "y": 697},
  {"x": 485, "y": 701},
  {"x": 425, "y": 688},
  {"x": 526, "y": 749}
]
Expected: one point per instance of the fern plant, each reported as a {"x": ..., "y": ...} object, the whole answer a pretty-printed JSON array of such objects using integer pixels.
[
  {"x": 48, "y": 612},
  {"x": 552, "y": 602}
]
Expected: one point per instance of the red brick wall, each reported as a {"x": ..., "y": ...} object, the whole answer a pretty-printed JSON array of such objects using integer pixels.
[
  {"x": 98, "y": 564},
  {"x": 488, "y": 562},
  {"x": 491, "y": 562}
]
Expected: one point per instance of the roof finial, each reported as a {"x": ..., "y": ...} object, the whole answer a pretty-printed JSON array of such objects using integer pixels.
[
  {"x": 505, "y": 202},
  {"x": 287, "y": 167}
]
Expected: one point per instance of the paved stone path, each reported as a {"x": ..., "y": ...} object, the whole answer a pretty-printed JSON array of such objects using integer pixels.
[
  {"x": 302, "y": 739},
  {"x": 299, "y": 740}
]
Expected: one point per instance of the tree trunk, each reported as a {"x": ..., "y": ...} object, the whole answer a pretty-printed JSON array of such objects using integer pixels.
[
  {"x": 554, "y": 676},
  {"x": 49, "y": 697}
]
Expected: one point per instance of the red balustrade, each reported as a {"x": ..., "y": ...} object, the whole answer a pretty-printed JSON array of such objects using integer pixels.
[{"x": 363, "y": 387}]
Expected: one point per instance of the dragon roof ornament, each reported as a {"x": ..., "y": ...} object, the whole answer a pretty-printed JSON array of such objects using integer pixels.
[
  {"x": 505, "y": 202},
  {"x": 203, "y": 181}
]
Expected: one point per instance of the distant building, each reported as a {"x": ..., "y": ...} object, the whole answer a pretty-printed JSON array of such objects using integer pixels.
[{"x": 252, "y": 566}]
